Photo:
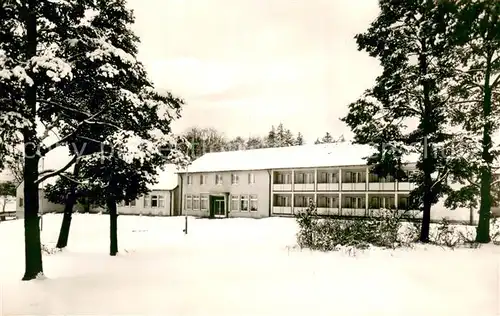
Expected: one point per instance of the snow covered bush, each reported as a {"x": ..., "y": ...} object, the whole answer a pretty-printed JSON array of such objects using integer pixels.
[{"x": 333, "y": 234}]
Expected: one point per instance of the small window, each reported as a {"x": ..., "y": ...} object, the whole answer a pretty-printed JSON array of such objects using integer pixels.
[
  {"x": 218, "y": 179},
  {"x": 147, "y": 200},
  {"x": 189, "y": 202},
  {"x": 235, "y": 179},
  {"x": 161, "y": 201},
  {"x": 132, "y": 203},
  {"x": 288, "y": 178},
  {"x": 204, "y": 202},
  {"x": 253, "y": 203},
  {"x": 234, "y": 203},
  {"x": 203, "y": 179},
  {"x": 21, "y": 202},
  {"x": 196, "y": 202},
  {"x": 251, "y": 178},
  {"x": 154, "y": 201},
  {"x": 189, "y": 180},
  {"x": 244, "y": 203}
]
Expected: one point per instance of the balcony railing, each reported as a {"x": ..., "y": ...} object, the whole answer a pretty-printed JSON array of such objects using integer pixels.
[
  {"x": 282, "y": 187},
  {"x": 360, "y": 186},
  {"x": 303, "y": 186},
  {"x": 282, "y": 210},
  {"x": 328, "y": 187}
]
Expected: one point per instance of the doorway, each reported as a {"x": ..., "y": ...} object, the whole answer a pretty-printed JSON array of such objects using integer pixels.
[{"x": 217, "y": 207}]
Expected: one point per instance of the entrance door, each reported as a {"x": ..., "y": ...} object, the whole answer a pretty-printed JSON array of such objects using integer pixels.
[{"x": 219, "y": 208}]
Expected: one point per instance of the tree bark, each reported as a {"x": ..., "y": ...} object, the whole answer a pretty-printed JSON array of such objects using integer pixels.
[
  {"x": 427, "y": 167},
  {"x": 113, "y": 227},
  {"x": 62, "y": 241},
  {"x": 483, "y": 227},
  {"x": 33, "y": 249}
]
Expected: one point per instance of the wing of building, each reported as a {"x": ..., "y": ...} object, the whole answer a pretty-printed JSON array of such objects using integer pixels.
[{"x": 281, "y": 181}]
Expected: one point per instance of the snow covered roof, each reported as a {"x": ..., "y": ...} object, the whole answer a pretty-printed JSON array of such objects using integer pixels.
[
  {"x": 306, "y": 156},
  {"x": 167, "y": 179}
]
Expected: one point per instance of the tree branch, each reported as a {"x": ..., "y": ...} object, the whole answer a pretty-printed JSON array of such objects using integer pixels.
[
  {"x": 46, "y": 149},
  {"x": 59, "y": 105},
  {"x": 57, "y": 172},
  {"x": 495, "y": 82}
]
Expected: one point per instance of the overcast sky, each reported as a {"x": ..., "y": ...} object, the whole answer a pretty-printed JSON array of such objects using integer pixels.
[{"x": 244, "y": 65}]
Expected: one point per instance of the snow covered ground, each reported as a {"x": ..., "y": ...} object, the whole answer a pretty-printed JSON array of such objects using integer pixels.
[{"x": 237, "y": 267}]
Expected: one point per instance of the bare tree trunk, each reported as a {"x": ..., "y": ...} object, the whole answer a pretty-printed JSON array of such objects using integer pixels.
[
  {"x": 62, "y": 241},
  {"x": 113, "y": 227},
  {"x": 33, "y": 249}
]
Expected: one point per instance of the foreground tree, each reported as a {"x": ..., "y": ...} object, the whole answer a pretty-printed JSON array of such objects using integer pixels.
[
  {"x": 407, "y": 38},
  {"x": 476, "y": 93},
  {"x": 65, "y": 66}
]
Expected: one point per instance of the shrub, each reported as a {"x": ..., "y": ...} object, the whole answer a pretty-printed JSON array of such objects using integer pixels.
[{"x": 329, "y": 234}]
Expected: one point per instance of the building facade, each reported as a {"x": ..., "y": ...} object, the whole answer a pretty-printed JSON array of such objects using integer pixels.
[{"x": 282, "y": 181}]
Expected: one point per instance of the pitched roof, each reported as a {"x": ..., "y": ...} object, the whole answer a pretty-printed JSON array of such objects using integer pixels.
[
  {"x": 306, "y": 156},
  {"x": 167, "y": 178}
]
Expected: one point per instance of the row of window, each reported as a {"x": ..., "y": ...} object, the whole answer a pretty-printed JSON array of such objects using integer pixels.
[
  {"x": 330, "y": 177},
  {"x": 239, "y": 203},
  {"x": 244, "y": 203},
  {"x": 149, "y": 201},
  {"x": 219, "y": 179},
  {"x": 197, "y": 202},
  {"x": 348, "y": 202}
]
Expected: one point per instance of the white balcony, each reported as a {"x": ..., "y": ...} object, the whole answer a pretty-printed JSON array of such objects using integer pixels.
[
  {"x": 382, "y": 186},
  {"x": 353, "y": 212},
  {"x": 328, "y": 211},
  {"x": 282, "y": 210},
  {"x": 406, "y": 186},
  {"x": 303, "y": 187},
  {"x": 282, "y": 187},
  {"x": 328, "y": 186},
  {"x": 353, "y": 186}
]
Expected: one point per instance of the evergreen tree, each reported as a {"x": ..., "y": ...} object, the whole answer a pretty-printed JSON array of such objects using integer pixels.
[
  {"x": 300, "y": 139},
  {"x": 67, "y": 65},
  {"x": 271, "y": 140},
  {"x": 407, "y": 38},
  {"x": 475, "y": 94},
  {"x": 255, "y": 143}
]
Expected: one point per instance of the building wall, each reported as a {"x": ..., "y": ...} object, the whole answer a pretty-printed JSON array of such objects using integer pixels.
[
  {"x": 44, "y": 206},
  {"x": 260, "y": 188},
  {"x": 145, "y": 206}
]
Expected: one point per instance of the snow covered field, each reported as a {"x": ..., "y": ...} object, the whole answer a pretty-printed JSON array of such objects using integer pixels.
[{"x": 237, "y": 267}]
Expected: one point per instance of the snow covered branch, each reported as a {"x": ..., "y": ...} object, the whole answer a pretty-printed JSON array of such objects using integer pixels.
[
  {"x": 44, "y": 150},
  {"x": 51, "y": 173}
]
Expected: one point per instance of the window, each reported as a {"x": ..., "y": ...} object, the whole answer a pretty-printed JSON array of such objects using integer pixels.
[
  {"x": 327, "y": 202},
  {"x": 21, "y": 202},
  {"x": 358, "y": 177},
  {"x": 204, "y": 202},
  {"x": 251, "y": 178},
  {"x": 189, "y": 179},
  {"x": 203, "y": 179},
  {"x": 373, "y": 178},
  {"x": 196, "y": 202},
  {"x": 189, "y": 202},
  {"x": 218, "y": 179},
  {"x": 374, "y": 203},
  {"x": 147, "y": 200},
  {"x": 348, "y": 177},
  {"x": 288, "y": 178},
  {"x": 309, "y": 178},
  {"x": 161, "y": 201},
  {"x": 253, "y": 203},
  {"x": 299, "y": 178},
  {"x": 282, "y": 200},
  {"x": 234, "y": 203},
  {"x": 234, "y": 178},
  {"x": 354, "y": 202},
  {"x": 403, "y": 203},
  {"x": 154, "y": 200},
  {"x": 244, "y": 203},
  {"x": 131, "y": 203}
]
